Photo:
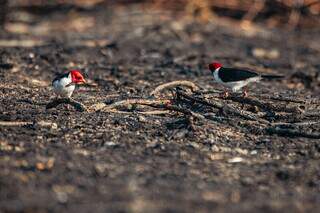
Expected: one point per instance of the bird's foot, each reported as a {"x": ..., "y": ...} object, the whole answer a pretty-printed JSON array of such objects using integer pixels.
[
  {"x": 68, "y": 108},
  {"x": 244, "y": 94},
  {"x": 225, "y": 94}
]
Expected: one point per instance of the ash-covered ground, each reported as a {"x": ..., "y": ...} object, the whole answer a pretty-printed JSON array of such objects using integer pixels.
[{"x": 122, "y": 160}]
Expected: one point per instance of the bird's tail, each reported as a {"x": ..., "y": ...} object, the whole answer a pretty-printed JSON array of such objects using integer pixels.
[{"x": 272, "y": 76}]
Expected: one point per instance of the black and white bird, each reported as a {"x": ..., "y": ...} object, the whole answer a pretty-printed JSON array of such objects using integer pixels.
[
  {"x": 64, "y": 85},
  {"x": 235, "y": 78}
]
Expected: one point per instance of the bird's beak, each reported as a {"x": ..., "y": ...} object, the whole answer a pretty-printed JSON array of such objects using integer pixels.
[
  {"x": 70, "y": 84},
  {"x": 83, "y": 81}
]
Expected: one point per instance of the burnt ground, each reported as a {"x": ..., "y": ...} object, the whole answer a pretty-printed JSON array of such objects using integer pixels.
[{"x": 122, "y": 160}]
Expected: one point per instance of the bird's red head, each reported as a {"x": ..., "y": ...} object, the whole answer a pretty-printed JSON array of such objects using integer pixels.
[
  {"x": 77, "y": 77},
  {"x": 214, "y": 65}
]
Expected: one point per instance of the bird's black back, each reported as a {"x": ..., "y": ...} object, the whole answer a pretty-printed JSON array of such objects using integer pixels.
[
  {"x": 231, "y": 74},
  {"x": 59, "y": 76}
]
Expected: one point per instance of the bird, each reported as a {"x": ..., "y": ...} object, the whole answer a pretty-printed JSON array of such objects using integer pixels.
[
  {"x": 64, "y": 84},
  {"x": 236, "y": 78}
]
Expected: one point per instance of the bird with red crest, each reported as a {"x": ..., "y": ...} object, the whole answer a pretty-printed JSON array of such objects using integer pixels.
[
  {"x": 64, "y": 84},
  {"x": 235, "y": 78}
]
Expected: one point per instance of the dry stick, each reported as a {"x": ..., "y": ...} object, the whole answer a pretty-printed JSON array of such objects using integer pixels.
[
  {"x": 294, "y": 18},
  {"x": 161, "y": 104},
  {"x": 25, "y": 123},
  {"x": 136, "y": 101},
  {"x": 172, "y": 84},
  {"x": 77, "y": 105},
  {"x": 306, "y": 5},
  {"x": 152, "y": 112},
  {"x": 253, "y": 11},
  {"x": 14, "y": 123},
  {"x": 155, "y": 112}
]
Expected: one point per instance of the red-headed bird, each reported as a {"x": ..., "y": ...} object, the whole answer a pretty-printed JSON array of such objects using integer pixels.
[
  {"x": 64, "y": 84},
  {"x": 235, "y": 78}
]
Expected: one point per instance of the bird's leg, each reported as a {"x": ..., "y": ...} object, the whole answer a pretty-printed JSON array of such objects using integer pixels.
[
  {"x": 244, "y": 95},
  {"x": 225, "y": 94},
  {"x": 245, "y": 92}
]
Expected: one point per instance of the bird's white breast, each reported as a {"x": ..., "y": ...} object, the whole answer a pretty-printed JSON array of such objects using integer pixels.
[
  {"x": 62, "y": 87},
  {"x": 216, "y": 76}
]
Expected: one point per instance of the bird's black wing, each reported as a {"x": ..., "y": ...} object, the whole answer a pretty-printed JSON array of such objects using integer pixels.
[
  {"x": 59, "y": 76},
  {"x": 231, "y": 74}
]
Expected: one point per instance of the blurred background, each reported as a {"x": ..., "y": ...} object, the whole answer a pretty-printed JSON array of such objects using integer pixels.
[
  {"x": 271, "y": 33},
  {"x": 272, "y": 13}
]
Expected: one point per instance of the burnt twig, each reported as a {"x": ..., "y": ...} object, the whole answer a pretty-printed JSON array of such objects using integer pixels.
[
  {"x": 226, "y": 108},
  {"x": 179, "y": 109},
  {"x": 284, "y": 99},
  {"x": 213, "y": 104},
  {"x": 292, "y": 133},
  {"x": 263, "y": 105}
]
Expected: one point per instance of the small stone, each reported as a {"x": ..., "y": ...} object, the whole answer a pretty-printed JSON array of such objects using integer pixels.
[
  {"x": 264, "y": 53},
  {"x": 236, "y": 160},
  {"x": 40, "y": 166},
  {"x": 142, "y": 118},
  {"x": 110, "y": 143},
  {"x": 50, "y": 163},
  {"x": 253, "y": 152},
  {"x": 100, "y": 168}
]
